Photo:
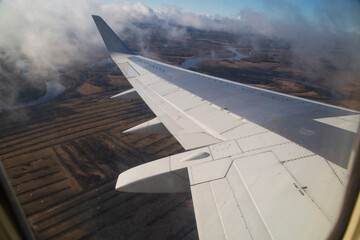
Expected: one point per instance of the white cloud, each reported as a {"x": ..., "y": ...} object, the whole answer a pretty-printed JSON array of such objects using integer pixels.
[{"x": 44, "y": 33}]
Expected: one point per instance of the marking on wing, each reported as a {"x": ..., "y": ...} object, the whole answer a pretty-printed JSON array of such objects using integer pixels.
[
  {"x": 315, "y": 175},
  {"x": 262, "y": 172}
]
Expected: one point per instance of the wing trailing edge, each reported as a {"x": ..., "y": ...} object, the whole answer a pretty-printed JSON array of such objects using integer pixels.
[
  {"x": 128, "y": 94},
  {"x": 153, "y": 126}
]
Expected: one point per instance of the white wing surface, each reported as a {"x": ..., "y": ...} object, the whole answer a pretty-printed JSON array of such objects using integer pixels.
[{"x": 259, "y": 164}]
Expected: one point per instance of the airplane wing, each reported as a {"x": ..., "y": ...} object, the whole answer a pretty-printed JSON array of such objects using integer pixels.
[{"x": 259, "y": 164}]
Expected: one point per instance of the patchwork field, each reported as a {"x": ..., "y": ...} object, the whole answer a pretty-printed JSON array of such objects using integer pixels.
[{"x": 63, "y": 157}]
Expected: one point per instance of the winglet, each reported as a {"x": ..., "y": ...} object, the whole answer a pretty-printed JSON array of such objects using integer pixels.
[{"x": 112, "y": 41}]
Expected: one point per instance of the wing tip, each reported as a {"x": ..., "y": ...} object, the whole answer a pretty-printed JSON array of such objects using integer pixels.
[
  {"x": 112, "y": 41},
  {"x": 96, "y": 17}
]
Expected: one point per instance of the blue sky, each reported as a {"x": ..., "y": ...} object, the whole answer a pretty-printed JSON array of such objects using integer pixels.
[
  {"x": 223, "y": 8},
  {"x": 228, "y": 8},
  {"x": 312, "y": 10}
]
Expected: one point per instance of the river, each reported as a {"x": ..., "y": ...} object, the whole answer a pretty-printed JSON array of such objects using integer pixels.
[
  {"x": 191, "y": 63},
  {"x": 53, "y": 89}
]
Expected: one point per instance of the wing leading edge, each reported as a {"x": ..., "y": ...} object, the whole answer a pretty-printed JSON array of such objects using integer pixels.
[{"x": 259, "y": 164}]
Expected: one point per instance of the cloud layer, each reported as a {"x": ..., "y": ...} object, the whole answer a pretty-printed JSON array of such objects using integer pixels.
[{"x": 40, "y": 35}]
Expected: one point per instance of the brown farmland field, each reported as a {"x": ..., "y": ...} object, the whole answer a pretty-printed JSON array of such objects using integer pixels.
[{"x": 63, "y": 157}]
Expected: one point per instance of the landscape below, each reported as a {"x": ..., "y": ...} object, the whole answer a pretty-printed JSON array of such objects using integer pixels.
[{"x": 63, "y": 157}]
